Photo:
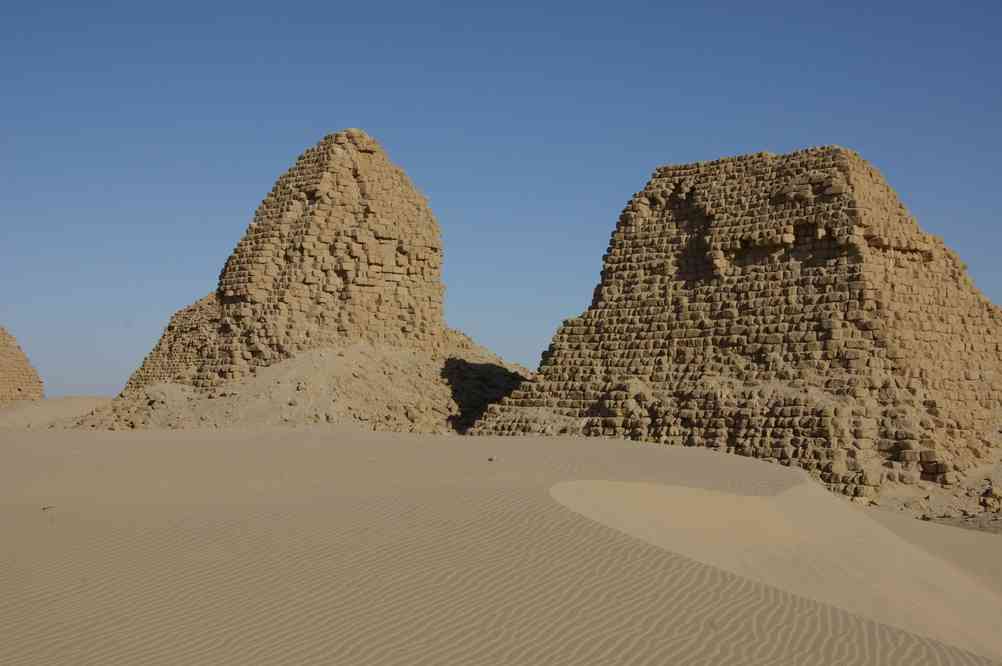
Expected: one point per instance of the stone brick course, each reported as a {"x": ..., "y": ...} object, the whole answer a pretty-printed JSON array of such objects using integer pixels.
[
  {"x": 783, "y": 307},
  {"x": 18, "y": 379}
]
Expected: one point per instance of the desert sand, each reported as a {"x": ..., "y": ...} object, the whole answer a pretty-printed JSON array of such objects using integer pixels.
[
  {"x": 334, "y": 545},
  {"x": 376, "y": 386},
  {"x": 41, "y": 414}
]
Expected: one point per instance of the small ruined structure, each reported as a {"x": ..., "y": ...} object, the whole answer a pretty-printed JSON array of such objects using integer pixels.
[
  {"x": 18, "y": 379},
  {"x": 342, "y": 248},
  {"x": 782, "y": 307}
]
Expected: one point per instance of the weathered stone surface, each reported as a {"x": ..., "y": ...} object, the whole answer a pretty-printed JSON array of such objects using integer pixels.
[
  {"x": 18, "y": 379},
  {"x": 343, "y": 248},
  {"x": 328, "y": 310},
  {"x": 783, "y": 307}
]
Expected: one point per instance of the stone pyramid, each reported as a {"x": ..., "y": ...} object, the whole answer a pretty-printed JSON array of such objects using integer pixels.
[
  {"x": 782, "y": 307},
  {"x": 343, "y": 248},
  {"x": 18, "y": 380}
]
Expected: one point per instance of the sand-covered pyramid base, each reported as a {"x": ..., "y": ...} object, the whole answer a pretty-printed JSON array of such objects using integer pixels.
[{"x": 378, "y": 387}]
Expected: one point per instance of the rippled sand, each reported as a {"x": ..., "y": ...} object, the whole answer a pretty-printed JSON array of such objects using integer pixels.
[{"x": 344, "y": 547}]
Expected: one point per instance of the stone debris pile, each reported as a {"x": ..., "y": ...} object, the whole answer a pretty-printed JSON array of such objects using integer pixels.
[
  {"x": 782, "y": 307},
  {"x": 18, "y": 379}
]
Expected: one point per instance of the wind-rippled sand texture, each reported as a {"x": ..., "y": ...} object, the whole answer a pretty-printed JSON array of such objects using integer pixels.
[{"x": 343, "y": 547}]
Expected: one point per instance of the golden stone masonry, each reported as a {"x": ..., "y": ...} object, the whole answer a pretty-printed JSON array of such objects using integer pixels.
[
  {"x": 782, "y": 307},
  {"x": 343, "y": 248}
]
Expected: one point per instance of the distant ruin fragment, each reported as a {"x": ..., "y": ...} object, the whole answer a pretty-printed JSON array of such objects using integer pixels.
[
  {"x": 782, "y": 307},
  {"x": 18, "y": 379}
]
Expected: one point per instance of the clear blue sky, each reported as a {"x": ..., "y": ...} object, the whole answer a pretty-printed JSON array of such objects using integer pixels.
[{"x": 136, "y": 140}]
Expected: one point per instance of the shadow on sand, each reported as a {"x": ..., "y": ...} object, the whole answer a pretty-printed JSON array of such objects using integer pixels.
[{"x": 475, "y": 386}]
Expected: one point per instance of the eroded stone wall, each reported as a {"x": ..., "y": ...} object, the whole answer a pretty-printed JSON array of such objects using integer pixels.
[
  {"x": 343, "y": 248},
  {"x": 18, "y": 379},
  {"x": 782, "y": 307}
]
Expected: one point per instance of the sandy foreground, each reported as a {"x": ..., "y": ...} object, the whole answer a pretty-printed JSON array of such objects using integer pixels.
[{"x": 337, "y": 546}]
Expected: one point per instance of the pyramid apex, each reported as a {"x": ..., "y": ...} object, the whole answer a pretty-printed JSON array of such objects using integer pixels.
[{"x": 353, "y": 136}]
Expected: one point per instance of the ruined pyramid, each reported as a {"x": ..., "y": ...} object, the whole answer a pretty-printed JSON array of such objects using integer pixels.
[
  {"x": 343, "y": 251},
  {"x": 18, "y": 379},
  {"x": 343, "y": 247},
  {"x": 782, "y": 307}
]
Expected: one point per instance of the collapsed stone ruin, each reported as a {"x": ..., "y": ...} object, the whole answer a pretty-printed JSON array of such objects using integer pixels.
[
  {"x": 343, "y": 247},
  {"x": 782, "y": 307},
  {"x": 343, "y": 251},
  {"x": 18, "y": 379}
]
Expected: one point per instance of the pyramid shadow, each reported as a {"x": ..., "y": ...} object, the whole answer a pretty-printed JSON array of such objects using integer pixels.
[{"x": 476, "y": 386}]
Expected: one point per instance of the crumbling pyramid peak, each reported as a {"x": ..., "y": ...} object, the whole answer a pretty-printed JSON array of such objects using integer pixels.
[
  {"x": 786, "y": 307},
  {"x": 18, "y": 379},
  {"x": 342, "y": 248}
]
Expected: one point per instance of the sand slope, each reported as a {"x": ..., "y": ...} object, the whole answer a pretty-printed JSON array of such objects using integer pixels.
[
  {"x": 40, "y": 414},
  {"x": 977, "y": 553},
  {"x": 319, "y": 546},
  {"x": 806, "y": 542},
  {"x": 379, "y": 387}
]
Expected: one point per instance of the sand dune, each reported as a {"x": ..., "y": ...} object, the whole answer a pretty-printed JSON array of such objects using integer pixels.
[
  {"x": 805, "y": 541},
  {"x": 320, "y": 546},
  {"x": 978, "y": 554}
]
